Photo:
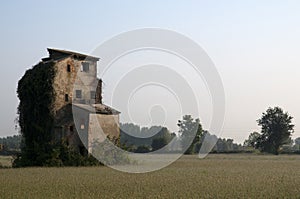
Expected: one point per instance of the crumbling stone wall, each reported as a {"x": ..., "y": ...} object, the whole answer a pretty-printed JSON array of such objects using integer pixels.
[
  {"x": 101, "y": 126},
  {"x": 65, "y": 82}
]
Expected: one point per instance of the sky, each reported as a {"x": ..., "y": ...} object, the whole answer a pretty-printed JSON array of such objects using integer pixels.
[{"x": 254, "y": 45}]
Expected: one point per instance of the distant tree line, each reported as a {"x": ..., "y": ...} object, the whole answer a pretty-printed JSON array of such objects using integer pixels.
[
  {"x": 274, "y": 137},
  {"x": 10, "y": 145},
  {"x": 138, "y": 139}
]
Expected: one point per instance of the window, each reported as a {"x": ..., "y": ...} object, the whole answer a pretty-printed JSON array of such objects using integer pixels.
[
  {"x": 82, "y": 122},
  {"x": 78, "y": 94},
  {"x": 93, "y": 94},
  {"x": 68, "y": 68},
  {"x": 85, "y": 66},
  {"x": 66, "y": 97},
  {"x": 71, "y": 128}
]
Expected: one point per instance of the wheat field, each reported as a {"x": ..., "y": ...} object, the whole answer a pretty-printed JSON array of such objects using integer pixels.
[{"x": 216, "y": 176}]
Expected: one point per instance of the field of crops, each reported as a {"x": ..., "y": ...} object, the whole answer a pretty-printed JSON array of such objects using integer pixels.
[{"x": 217, "y": 176}]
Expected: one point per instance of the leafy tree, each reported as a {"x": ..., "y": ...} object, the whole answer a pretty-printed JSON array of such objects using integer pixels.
[
  {"x": 132, "y": 136},
  {"x": 297, "y": 144},
  {"x": 297, "y": 141},
  {"x": 209, "y": 138},
  {"x": 190, "y": 131},
  {"x": 276, "y": 129},
  {"x": 252, "y": 140},
  {"x": 159, "y": 143},
  {"x": 224, "y": 145}
]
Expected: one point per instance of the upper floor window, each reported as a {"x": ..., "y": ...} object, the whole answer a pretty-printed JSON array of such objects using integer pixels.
[
  {"x": 85, "y": 66},
  {"x": 93, "y": 94},
  {"x": 78, "y": 94},
  {"x": 68, "y": 68},
  {"x": 66, "y": 97}
]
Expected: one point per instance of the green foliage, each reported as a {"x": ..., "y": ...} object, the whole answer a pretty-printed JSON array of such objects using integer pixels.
[
  {"x": 276, "y": 129},
  {"x": 10, "y": 144},
  {"x": 36, "y": 121},
  {"x": 132, "y": 136},
  {"x": 252, "y": 140},
  {"x": 297, "y": 144},
  {"x": 190, "y": 134},
  {"x": 297, "y": 141},
  {"x": 60, "y": 154},
  {"x": 36, "y": 94},
  {"x": 162, "y": 139},
  {"x": 190, "y": 131},
  {"x": 158, "y": 143},
  {"x": 142, "y": 149}
]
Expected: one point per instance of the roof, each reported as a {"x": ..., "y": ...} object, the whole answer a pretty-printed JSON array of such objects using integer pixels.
[
  {"x": 53, "y": 51},
  {"x": 97, "y": 108}
]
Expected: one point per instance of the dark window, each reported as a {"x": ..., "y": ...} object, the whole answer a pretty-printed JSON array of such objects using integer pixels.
[
  {"x": 85, "y": 66},
  {"x": 93, "y": 94},
  {"x": 69, "y": 68},
  {"x": 66, "y": 97},
  {"x": 71, "y": 128},
  {"x": 78, "y": 94}
]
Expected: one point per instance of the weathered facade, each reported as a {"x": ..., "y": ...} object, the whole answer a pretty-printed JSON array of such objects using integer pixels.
[{"x": 80, "y": 118}]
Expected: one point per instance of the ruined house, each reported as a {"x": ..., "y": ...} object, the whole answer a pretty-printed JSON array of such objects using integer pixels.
[{"x": 79, "y": 116}]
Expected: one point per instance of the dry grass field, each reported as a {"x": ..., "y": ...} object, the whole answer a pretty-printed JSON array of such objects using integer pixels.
[{"x": 217, "y": 176}]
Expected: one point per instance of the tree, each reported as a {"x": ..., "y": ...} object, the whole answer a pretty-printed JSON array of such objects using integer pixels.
[
  {"x": 224, "y": 145},
  {"x": 276, "y": 129},
  {"x": 133, "y": 136},
  {"x": 190, "y": 131},
  {"x": 158, "y": 143},
  {"x": 297, "y": 141},
  {"x": 297, "y": 144},
  {"x": 252, "y": 140},
  {"x": 161, "y": 139}
]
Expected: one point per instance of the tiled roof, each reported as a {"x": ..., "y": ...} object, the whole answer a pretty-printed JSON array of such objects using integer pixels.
[{"x": 66, "y": 52}]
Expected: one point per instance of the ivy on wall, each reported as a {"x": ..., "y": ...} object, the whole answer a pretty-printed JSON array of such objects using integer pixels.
[
  {"x": 36, "y": 120},
  {"x": 36, "y": 95}
]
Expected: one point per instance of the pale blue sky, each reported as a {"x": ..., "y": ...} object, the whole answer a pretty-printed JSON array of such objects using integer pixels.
[{"x": 255, "y": 46}]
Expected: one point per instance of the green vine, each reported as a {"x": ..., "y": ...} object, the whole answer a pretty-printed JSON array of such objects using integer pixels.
[{"x": 36, "y": 95}]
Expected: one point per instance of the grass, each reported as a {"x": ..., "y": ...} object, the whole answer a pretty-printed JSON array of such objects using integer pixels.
[{"x": 217, "y": 176}]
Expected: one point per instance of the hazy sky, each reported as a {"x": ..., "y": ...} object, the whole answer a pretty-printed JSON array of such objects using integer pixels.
[{"x": 255, "y": 46}]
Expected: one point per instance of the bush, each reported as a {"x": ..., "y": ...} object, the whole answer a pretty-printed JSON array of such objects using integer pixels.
[
  {"x": 60, "y": 155},
  {"x": 142, "y": 149}
]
